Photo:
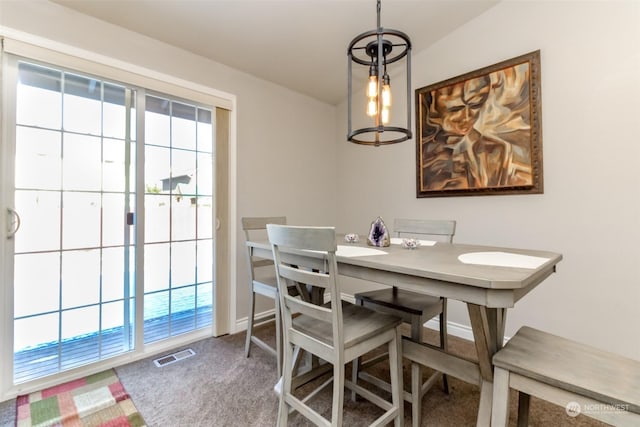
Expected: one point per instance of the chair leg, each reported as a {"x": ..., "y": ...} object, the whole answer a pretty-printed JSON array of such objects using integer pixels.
[
  {"x": 500, "y": 404},
  {"x": 354, "y": 376},
  {"x": 444, "y": 341},
  {"x": 278, "y": 321},
  {"x": 395, "y": 373},
  {"x": 416, "y": 392},
  {"x": 338, "y": 393},
  {"x": 355, "y": 364},
  {"x": 287, "y": 373},
  {"x": 416, "y": 374},
  {"x": 252, "y": 308},
  {"x": 523, "y": 409}
]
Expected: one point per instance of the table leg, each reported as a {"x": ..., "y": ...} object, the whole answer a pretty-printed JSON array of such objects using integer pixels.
[{"x": 488, "y": 333}]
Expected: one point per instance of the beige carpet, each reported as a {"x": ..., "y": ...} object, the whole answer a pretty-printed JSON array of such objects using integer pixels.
[{"x": 220, "y": 387}]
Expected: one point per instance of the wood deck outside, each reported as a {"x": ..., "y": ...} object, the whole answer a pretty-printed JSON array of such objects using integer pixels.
[{"x": 54, "y": 357}]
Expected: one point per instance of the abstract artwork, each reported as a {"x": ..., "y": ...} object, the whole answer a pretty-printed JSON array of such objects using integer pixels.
[{"x": 480, "y": 133}]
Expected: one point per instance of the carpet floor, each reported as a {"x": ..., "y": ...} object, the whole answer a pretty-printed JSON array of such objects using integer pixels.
[{"x": 220, "y": 387}]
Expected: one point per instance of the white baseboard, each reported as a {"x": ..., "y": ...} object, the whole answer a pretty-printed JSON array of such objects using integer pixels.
[{"x": 241, "y": 324}]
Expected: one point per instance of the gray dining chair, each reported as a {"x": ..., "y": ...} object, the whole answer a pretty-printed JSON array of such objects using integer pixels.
[
  {"x": 262, "y": 281},
  {"x": 337, "y": 332},
  {"x": 414, "y": 309}
]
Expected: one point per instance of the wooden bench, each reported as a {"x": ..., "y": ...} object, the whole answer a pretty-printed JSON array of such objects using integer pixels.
[{"x": 583, "y": 379}]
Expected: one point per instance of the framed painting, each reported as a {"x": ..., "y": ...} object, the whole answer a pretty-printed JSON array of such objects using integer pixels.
[{"x": 480, "y": 133}]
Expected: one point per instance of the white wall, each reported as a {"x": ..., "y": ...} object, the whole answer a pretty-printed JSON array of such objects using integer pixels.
[
  {"x": 285, "y": 150},
  {"x": 590, "y": 209}
]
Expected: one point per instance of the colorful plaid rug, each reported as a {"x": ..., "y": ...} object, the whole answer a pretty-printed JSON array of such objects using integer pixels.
[{"x": 98, "y": 400}]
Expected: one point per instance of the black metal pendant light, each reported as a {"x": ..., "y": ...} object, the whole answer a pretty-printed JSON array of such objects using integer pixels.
[{"x": 377, "y": 49}]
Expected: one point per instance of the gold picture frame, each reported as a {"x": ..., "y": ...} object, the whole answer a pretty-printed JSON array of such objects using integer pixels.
[{"x": 480, "y": 133}]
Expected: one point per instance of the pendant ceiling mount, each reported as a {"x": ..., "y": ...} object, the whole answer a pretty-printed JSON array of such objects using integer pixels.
[{"x": 377, "y": 49}]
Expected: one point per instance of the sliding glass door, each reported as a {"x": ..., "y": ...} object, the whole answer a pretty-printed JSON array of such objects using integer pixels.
[
  {"x": 72, "y": 274},
  {"x": 178, "y": 206},
  {"x": 76, "y": 180}
]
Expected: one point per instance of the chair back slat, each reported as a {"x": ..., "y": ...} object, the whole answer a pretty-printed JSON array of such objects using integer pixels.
[
  {"x": 300, "y": 306},
  {"x": 296, "y": 274},
  {"x": 442, "y": 229},
  {"x": 304, "y": 238}
]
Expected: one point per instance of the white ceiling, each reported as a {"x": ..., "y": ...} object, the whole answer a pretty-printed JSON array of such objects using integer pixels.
[{"x": 299, "y": 44}]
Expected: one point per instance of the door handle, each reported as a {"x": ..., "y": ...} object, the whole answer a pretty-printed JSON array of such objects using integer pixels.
[
  {"x": 217, "y": 223},
  {"x": 12, "y": 225}
]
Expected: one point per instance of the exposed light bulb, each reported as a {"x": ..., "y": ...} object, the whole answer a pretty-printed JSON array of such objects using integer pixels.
[
  {"x": 384, "y": 115},
  {"x": 372, "y": 107},
  {"x": 372, "y": 87},
  {"x": 386, "y": 93}
]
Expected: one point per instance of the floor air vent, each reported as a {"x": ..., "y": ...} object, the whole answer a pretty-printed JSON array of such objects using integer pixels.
[{"x": 172, "y": 358}]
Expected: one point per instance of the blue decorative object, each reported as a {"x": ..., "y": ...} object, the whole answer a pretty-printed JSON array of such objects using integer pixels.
[{"x": 378, "y": 234}]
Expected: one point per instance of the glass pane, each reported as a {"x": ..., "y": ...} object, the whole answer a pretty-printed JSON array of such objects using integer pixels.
[
  {"x": 205, "y": 260},
  {"x": 157, "y": 127},
  {"x": 41, "y": 281},
  {"x": 113, "y": 219},
  {"x": 113, "y": 262},
  {"x": 81, "y": 164},
  {"x": 156, "y": 210},
  {"x": 112, "y": 315},
  {"x": 40, "y": 221},
  {"x": 132, "y": 271},
  {"x": 132, "y": 169},
  {"x": 38, "y": 158},
  {"x": 156, "y": 315},
  {"x": 81, "y": 220},
  {"x": 81, "y": 321},
  {"x": 204, "y": 303},
  {"x": 157, "y": 170},
  {"x": 205, "y": 174},
  {"x": 115, "y": 336},
  {"x": 205, "y": 131},
  {"x": 35, "y": 331},
  {"x": 183, "y": 168},
  {"x": 80, "y": 340},
  {"x": 183, "y": 126},
  {"x": 82, "y": 105},
  {"x": 183, "y": 218},
  {"x": 183, "y": 264},
  {"x": 39, "y": 101},
  {"x": 35, "y": 347},
  {"x": 156, "y": 267},
  {"x": 113, "y": 165},
  {"x": 80, "y": 278},
  {"x": 205, "y": 217},
  {"x": 114, "y": 112},
  {"x": 183, "y": 302}
]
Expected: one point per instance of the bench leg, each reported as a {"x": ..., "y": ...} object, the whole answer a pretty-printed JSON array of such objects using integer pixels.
[
  {"x": 500, "y": 409},
  {"x": 523, "y": 409}
]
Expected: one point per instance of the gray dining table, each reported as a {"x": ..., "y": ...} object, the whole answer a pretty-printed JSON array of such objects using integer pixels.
[{"x": 489, "y": 280}]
